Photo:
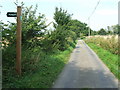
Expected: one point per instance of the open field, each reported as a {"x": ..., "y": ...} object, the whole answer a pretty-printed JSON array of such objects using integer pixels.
[
  {"x": 105, "y": 36},
  {"x": 109, "y": 42}
]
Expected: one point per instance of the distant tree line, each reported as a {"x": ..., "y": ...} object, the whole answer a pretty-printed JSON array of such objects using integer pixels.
[{"x": 111, "y": 30}]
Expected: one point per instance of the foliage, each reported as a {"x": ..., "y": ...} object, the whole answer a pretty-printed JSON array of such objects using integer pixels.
[
  {"x": 41, "y": 51},
  {"x": 78, "y": 27},
  {"x": 43, "y": 54},
  {"x": 61, "y": 17},
  {"x": 102, "y": 32},
  {"x": 115, "y": 29},
  {"x": 39, "y": 70},
  {"x": 61, "y": 32},
  {"x": 32, "y": 26},
  {"x": 111, "y": 30},
  {"x": 67, "y": 30}
]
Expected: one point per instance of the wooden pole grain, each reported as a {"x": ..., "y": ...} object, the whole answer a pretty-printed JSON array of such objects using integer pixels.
[{"x": 18, "y": 42}]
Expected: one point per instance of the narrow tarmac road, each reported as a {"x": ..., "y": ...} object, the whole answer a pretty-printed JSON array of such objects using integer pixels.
[{"x": 85, "y": 70}]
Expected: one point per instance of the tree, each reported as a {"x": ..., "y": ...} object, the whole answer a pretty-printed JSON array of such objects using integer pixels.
[
  {"x": 32, "y": 26},
  {"x": 102, "y": 32},
  {"x": 75, "y": 26},
  {"x": 78, "y": 27},
  {"x": 115, "y": 28},
  {"x": 62, "y": 18}
]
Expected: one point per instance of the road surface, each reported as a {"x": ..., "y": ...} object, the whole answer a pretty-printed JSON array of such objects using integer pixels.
[{"x": 85, "y": 70}]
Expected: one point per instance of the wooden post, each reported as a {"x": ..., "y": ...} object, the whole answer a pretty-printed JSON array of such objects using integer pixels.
[{"x": 18, "y": 42}]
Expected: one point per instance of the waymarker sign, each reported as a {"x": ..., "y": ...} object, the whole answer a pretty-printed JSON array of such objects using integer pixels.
[{"x": 11, "y": 14}]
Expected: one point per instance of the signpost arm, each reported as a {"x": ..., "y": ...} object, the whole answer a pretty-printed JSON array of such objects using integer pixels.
[{"x": 18, "y": 42}]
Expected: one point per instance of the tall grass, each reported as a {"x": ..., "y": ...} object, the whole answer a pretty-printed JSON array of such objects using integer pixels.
[{"x": 107, "y": 43}]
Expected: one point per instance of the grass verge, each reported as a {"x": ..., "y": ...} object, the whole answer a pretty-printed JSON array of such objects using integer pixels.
[
  {"x": 111, "y": 60},
  {"x": 39, "y": 70}
]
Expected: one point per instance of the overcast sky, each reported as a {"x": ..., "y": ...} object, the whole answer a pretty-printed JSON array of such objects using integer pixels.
[{"x": 105, "y": 15}]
